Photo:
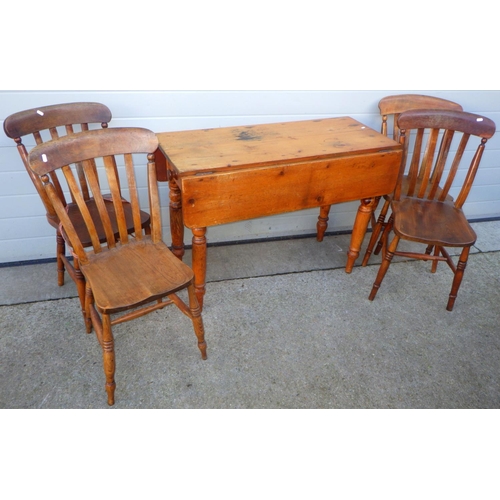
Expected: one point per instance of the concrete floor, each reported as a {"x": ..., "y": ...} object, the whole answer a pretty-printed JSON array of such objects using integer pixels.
[{"x": 286, "y": 327}]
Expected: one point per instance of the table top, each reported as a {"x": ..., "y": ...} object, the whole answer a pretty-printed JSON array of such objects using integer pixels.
[{"x": 229, "y": 148}]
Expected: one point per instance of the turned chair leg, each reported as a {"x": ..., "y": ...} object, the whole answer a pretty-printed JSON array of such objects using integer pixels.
[
  {"x": 457, "y": 280},
  {"x": 386, "y": 231},
  {"x": 60, "y": 251},
  {"x": 108, "y": 354},
  {"x": 384, "y": 266},
  {"x": 89, "y": 300},
  {"x": 80, "y": 286},
  {"x": 435, "y": 262},
  {"x": 429, "y": 249},
  {"x": 377, "y": 227},
  {"x": 383, "y": 224}
]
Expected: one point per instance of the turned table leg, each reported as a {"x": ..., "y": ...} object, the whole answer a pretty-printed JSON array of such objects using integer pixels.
[
  {"x": 199, "y": 262},
  {"x": 322, "y": 223},
  {"x": 361, "y": 222}
]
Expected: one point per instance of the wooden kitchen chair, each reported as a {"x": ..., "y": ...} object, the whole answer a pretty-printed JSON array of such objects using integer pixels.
[
  {"x": 48, "y": 123},
  {"x": 390, "y": 108},
  {"x": 129, "y": 274},
  {"x": 421, "y": 211}
]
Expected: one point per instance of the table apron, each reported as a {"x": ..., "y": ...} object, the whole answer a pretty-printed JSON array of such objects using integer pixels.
[{"x": 220, "y": 198}]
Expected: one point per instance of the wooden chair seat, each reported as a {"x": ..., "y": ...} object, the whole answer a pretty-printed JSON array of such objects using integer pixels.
[
  {"x": 380, "y": 225},
  {"x": 130, "y": 275},
  {"x": 431, "y": 222}
]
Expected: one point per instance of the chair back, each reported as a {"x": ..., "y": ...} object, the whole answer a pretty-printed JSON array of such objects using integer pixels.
[
  {"x": 99, "y": 155},
  {"x": 394, "y": 105},
  {"x": 48, "y": 123},
  {"x": 436, "y": 141}
]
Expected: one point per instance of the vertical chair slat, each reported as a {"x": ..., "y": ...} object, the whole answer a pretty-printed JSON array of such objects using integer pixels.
[
  {"x": 415, "y": 160},
  {"x": 54, "y": 134},
  {"x": 82, "y": 180},
  {"x": 58, "y": 188},
  {"x": 454, "y": 166},
  {"x": 79, "y": 200},
  {"x": 438, "y": 170},
  {"x": 114, "y": 186},
  {"x": 93, "y": 182},
  {"x": 79, "y": 168},
  {"x": 39, "y": 140},
  {"x": 94, "y": 168},
  {"x": 427, "y": 162},
  {"x": 85, "y": 127},
  {"x": 69, "y": 228},
  {"x": 38, "y": 137},
  {"x": 395, "y": 128},
  {"x": 134, "y": 198}
]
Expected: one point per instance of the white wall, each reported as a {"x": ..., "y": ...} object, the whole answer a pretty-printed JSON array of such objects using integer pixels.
[{"x": 25, "y": 235}]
